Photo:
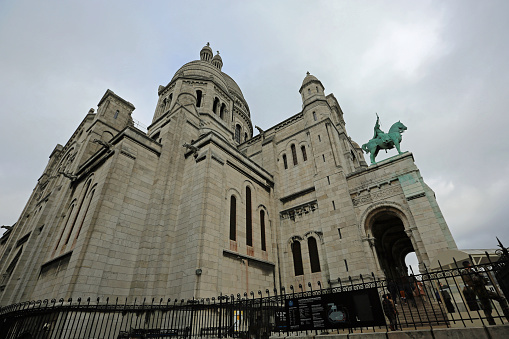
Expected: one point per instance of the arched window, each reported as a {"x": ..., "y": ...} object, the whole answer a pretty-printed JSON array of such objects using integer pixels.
[
  {"x": 285, "y": 162},
  {"x": 237, "y": 133},
  {"x": 221, "y": 111},
  {"x": 314, "y": 116},
  {"x": 262, "y": 227},
  {"x": 304, "y": 155},
  {"x": 198, "y": 98},
  {"x": 313, "y": 255},
  {"x": 249, "y": 220},
  {"x": 69, "y": 213},
  {"x": 214, "y": 107},
  {"x": 294, "y": 154},
  {"x": 84, "y": 216},
  {"x": 169, "y": 101},
  {"x": 78, "y": 212},
  {"x": 116, "y": 114},
  {"x": 353, "y": 155},
  {"x": 297, "y": 258},
  {"x": 317, "y": 91},
  {"x": 245, "y": 136},
  {"x": 309, "y": 90},
  {"x": 233, "y": 218}
]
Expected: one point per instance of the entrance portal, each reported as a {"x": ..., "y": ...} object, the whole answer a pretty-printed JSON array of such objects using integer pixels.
[{"x": 391, "y": 244}]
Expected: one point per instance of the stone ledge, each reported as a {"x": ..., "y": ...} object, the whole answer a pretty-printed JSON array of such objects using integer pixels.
[{"x": 488, "y": 332}]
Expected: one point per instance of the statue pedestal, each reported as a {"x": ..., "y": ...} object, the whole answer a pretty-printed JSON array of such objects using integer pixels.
[{"x": 393, "y": 158}]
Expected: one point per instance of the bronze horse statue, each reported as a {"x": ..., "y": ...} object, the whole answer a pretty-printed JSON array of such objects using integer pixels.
[{"x": 383, "y": 140}]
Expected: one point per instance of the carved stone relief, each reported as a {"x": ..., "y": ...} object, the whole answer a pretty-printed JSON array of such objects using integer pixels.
[
  {"x": 378, "y": 192},
  {"x": 299, "y": 211}
]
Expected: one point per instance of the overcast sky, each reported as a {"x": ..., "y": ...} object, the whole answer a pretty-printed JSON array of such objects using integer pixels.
[{"x": 438, "y": 66}]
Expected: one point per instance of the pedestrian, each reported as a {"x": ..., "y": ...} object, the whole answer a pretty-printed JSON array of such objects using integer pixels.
[
  {"x": 393, "y": 290},
  {"x": 409, "y": 293},
  {"x": 447, "y": 298},
  {"x": 418, "y": 291},
  {"x": 437, "y": 297},
  {"x": 390, "y": 311},
  {"x": 475, "y": 281}
]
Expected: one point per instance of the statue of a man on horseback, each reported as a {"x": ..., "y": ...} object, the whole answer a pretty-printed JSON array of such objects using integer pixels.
[
  {"x": 382, "y": 140},
  {"x": 378, "y": 132}
]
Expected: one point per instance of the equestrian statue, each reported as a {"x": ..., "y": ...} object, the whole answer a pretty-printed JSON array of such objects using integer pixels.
[{"x": 383, "y": 140}]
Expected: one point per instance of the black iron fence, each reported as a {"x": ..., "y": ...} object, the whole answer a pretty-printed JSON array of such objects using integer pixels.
[{"x": 452, "y": 296}]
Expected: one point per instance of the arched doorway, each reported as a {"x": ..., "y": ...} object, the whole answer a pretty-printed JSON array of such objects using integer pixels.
[{"x": 391, "y": 242}]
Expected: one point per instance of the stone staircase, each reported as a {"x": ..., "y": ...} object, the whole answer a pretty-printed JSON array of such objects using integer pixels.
[{"x": 427, "y": 313}]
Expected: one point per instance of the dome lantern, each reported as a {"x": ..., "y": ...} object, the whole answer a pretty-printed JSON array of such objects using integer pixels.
[
  {"x": 206, "y": 53},
  {"x": 217, "y": 61}
]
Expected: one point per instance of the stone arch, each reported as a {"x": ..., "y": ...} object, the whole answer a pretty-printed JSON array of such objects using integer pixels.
[
  {"x": 303, "y": 143},
  {"x": 262, "y": 215},
  {"x": 250, "y": 200},
  {"x": 290, "y": 142},
  {"x": 320, "y": 250},
  {"x": 233, "y": 200},
  {"x": 389, "y": 231},
  {"x": 294, "y": 238},
  {"x": 280, "y": 159},
  {"x": 67, "y": 158},
  {"x": 392, "y": 206},
  {"x": 315, "y": 234},
  {"x": 250, "y": 184},
  {"x": 263, "y": 207},
  {"x": 236, "y": 193}
]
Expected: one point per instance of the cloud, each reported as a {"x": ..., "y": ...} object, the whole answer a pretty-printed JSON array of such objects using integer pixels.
[
  {"x": 404, "y": 48},
  {"x": 439, "y": 67}
]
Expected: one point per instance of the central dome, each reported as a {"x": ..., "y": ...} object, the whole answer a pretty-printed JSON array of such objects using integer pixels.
[
  {"x": 199, "y": 69},
  {"x": 217, "y": 98}
]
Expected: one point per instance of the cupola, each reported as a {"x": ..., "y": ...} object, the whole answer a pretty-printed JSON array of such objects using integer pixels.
[
  {"x": 311, "y": 89},
  {"x": 206, "y": 53},
  {"x": 217, "y": 61}
]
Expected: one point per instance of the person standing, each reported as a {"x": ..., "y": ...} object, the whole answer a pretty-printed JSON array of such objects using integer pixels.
[
  {"x": 393, "y": 290},
  {"x": 475, "y": 281},
  {"x": 447, "y": 298},
  {"x": 390, "y": 311}
]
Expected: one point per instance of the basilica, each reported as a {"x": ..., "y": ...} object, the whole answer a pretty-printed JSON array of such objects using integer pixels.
[{"x": 203, "y": 202}]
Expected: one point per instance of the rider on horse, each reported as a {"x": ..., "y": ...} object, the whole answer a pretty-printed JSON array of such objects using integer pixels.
[{"x": 379, "y": 133}]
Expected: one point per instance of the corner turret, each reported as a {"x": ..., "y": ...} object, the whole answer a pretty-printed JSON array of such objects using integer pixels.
[{"x": 311, "y": 90}]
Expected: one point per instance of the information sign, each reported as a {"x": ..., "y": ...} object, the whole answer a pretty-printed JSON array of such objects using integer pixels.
[{"x": 334, "y": 310}]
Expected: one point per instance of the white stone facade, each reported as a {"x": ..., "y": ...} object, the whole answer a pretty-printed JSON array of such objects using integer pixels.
[{"x": 121, "y": 212}]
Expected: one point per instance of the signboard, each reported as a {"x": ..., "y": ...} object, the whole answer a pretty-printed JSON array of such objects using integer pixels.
[
  {"x": 281, "y": 320},
  {"x": 335, "y": 310}
]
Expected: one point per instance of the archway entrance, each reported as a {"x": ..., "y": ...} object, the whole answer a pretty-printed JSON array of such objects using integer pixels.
[{"x": 391, "y": 243}]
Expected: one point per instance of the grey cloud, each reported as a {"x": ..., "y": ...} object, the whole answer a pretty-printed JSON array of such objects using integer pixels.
[{"x": 58, "y": 60}]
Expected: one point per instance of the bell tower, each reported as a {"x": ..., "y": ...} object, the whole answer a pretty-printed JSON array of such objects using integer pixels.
[{"x": 311, "y": 90}]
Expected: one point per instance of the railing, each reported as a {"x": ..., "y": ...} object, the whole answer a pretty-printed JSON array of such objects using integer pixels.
[
  {"x": 445, "y": 300},
  {"x": 139, "y": 125}
]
